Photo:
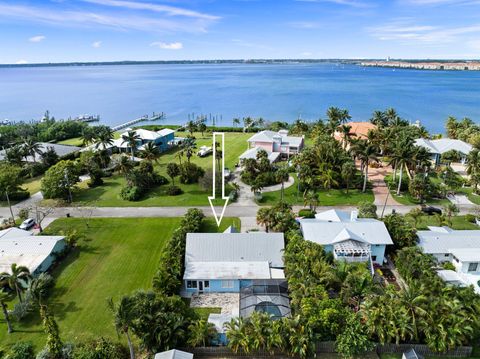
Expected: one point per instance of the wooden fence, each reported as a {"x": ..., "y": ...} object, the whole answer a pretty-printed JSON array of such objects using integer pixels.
[{"x": 326, "y": 347}]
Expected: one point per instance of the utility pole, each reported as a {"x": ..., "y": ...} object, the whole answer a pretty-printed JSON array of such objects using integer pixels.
[
  {"x": 68, "y": 186},
  {"x": 9, "y": 206}
]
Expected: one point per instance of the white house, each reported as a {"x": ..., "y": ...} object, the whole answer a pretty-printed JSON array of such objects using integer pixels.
[
  {"x": 225, "y": 262},
  {"x": 348, "y": 237},
  {"x": 461, "y": 248},
  {"x": 37, "y": 253},
  {"x": 442, "y": 145},
  {"x": 276, "y": 144},
  {"x": 174, "y": 354},
  {"x": 163, "y": 139}
]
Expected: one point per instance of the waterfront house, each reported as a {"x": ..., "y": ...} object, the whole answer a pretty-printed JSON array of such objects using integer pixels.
[
  {"x": 358, "y": 130},
  {"x": 443, "y": 145},
  {"x": 226, "y": 262},
  {"x": 37, "y": 253},
  {"x": 461, "y": 248},
  {"x": 163, "y": 139},
  {"x": 275, "y": 142},
  {"x": 348, "y": 237}
]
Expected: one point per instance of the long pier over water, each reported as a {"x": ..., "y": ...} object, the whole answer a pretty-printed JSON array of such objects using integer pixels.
[{"x": 154, "y": 117}]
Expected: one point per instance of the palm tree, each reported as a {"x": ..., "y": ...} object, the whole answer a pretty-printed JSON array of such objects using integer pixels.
[
  {"x": 378, "y": 119},
  {"x": 32, "y": 148},
  {"x": 201, "y": 333},
  {"x": 256, "y": 187},
  {"x": 346, "y": 134},
  {"x": 191, "y": 127},
  {"x": 131, "y": 138},
  {"x": 348, "y": 172},
  {"x": 413, "y": 299},
  {"x": 189, "y": 147},
  {"x": 88, "y": 135},
  {"x": 450, "y": 210},
  {"x": 4, "y": 299},
  {"x": 151, "y": 152},
  {"x": 104, "y": 137},
  {"x": 17, "y": 280},
  {"x": 310, "y": 198},
  {"x": 247, "y": 122},
  {"x": 367, "y": 154},
  {"x": 124, "y": 165},
  {"x": 327, "y": 177},
  {"x": 282, "y": 175},
  {"x": 124, "y": 315},
  {"x": 415, "y": 214},
  {"x": 236, "y": 122},
  {"x": 202, "y": 128},
  {"x": 264, "y": 217},
  {"x": 473, "y": 168},
  {"x": 173, "y": 170}
]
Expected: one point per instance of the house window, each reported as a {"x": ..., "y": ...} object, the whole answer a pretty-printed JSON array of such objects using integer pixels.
[
  {"x": 227, "y": 284},
  {"x": 206, "y": 284},
  {"x": 446, "y": 254},
  {"x": 374, "y": 258},
  {"x": 191, "y": 284},
  {"x": 472, "y": 267}
]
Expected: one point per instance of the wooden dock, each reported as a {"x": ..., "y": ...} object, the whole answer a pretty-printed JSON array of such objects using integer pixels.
[{"x": 154, "y": 117}]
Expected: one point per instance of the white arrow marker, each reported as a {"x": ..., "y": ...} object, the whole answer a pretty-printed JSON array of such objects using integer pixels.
[{"x": 222, "y": 173}]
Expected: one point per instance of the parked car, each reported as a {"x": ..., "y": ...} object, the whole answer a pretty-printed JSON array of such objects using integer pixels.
[
  {"x": 27, "y": 224},
  {"x": 431, "y": 210},
  {"x": 204, "y": 151},
  {"x": 227, "y": 173}
]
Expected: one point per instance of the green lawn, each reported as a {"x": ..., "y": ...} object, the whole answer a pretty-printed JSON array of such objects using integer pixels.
[
  {"x": 399, "y": 356},
  {"x": 76, "y": 141},
  {"x": 327, "y": 198},
  {"x": 458, "y": 222},
  {"x": 118, "y": 256},
  {"x": 32, "y": 185},
  {"x": 203, "y": 313},
  {"x": 108, "y": 195}
]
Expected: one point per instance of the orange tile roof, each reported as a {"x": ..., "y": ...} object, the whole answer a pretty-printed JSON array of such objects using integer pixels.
[{"x": 358, "y": 129}]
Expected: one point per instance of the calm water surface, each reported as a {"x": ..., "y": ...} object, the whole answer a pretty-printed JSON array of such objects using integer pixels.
[{"x": 274, "y": 92}]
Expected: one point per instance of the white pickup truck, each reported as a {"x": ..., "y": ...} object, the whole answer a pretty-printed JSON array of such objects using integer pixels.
[{"x": 204, "y": 151}]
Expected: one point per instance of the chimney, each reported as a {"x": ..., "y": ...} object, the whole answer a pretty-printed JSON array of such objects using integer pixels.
[{"x": 353, "y": 216}]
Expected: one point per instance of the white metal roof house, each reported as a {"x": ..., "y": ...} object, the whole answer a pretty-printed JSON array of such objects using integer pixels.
[
  {"x": 461, "y": 248},
  {"x": 60, "y": 150},
  {"x": 174, "y": 354},
  {"x": 348, "y": 237},
  {"x": 442, "y": 145},
  {"x": 163, "y": 139},
  {"x": 278, "y": 143},
  {"x": 223, "y": 262},
  {"x": 22, "y": 248}
]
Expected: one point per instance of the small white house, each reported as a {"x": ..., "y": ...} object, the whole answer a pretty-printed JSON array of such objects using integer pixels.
[
  {"x": 443, "y": 145},
  {"x": 461, "y": 248},
  {"x": 225, "y": 262},
  {"x": 20, "y": 247},
  {"x": 349, "y": 238}
]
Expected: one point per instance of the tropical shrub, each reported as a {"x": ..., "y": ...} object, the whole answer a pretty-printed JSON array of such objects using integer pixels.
[
  {"x": 131, "y": 193},
  {"x": 306, "y": 213},
  {"x": 174, "y": 190},
  {"x": 60, "y": 179},
  {"x": 354, "y": 339},
  {"x": 190, "y": 173},
  {"x": 21, "y": 350},
  {"x": 402, "y": 232},
  {"x": 101, "y": 348},
  {"x": 367, "y": 210},
  {"x": 470, "y": 218}
]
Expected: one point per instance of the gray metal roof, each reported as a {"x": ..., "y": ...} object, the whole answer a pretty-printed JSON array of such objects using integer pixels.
[
  {"x": 252, "y": 153},
  {"x": 60, "y": 150},
  {"x": 268, "y": 136},
  {"x": 174, "y": 354},
  {"x": 329, "y": 231},
  {"x": 235, "y": 247},
  {"x": 441, "y": 240},
  {"x": 443, "y": 145}
]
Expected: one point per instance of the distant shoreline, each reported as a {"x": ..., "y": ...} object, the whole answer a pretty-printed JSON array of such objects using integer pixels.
[
  {"x": 362, "y": 62},
  {"x": 428, "y": 65}
]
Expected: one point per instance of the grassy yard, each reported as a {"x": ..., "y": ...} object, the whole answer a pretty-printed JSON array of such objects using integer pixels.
[
  {"x": 76, "y": 141},
  {"x": 458, "y": 222},
  {"x": 32, "y": 185},
  {"x": 327, "y": 198},
  {"x": 399, "y": 356},
  {"x": 118, "y": 256},
  {"x": 108, "y": 195}
]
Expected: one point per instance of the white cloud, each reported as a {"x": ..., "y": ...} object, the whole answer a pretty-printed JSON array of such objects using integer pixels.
[
  {"x": 167, "y": 46},
  {"x": 168, "y": 10},
  {"x": 84, "y": 19},
  {"x": 97, "y": 44},
  {"x": 441, "y": 2},
  {"x": 304, "y": 24},
  {"x": 352, "y": 3},
  {"x": 407, "y": 32},
  {"x": 21, "y": 62},
  {"x": 38, "y": 38}
]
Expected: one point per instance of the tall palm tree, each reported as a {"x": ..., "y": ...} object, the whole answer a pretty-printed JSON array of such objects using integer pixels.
[
  {"x": 348, "y": 172},
  {"x": 104, "y": 138},
  {"x": 367, "y": 155},
  {"x": 191, "y": 127},
  {"x": 124, "y": 165},
  {"x": 264, "y": 217},
  {"x": 379, "y": 119},
  {"x": 124, "y": 315},
  {"x": 17, "y": 280},
  {"x": 151, "y": 152},
  {"x": 88, "y": 135},
  {"x": 189, "y": 147},
  {"x": 236, "y": 122},
  {"x": 256, "y": 187},
  {"x": 346, "y": 134},
  {"x": 311, "y": 200},
  {"x": 247, "y": 122},
  {"x": 32, "y": 148},
  {"x": 4, "y": 299},
  {"x": 282, "y": 175},
  {"x": 131, "y": 139},
  {"x": 473, "y": 168}
]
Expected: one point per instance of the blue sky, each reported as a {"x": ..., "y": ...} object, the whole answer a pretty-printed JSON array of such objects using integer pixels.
[{"x": 108, "y": 30}]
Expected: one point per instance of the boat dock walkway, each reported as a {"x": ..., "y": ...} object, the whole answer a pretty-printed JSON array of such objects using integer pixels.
[{"x": 154, "y": 117}]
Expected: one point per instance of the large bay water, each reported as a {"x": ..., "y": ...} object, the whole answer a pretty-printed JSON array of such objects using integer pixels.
[{"x": 272, "y": 91}]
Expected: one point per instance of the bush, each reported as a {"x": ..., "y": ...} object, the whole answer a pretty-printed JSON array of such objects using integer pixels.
[
  {"x": 471, "y": 218},
  {"x": 160, "y": 180},
  {"x": 23, "y": 214},
  {"x": 190, "y": 173},
  {"x": 306, "y": 213},
  {"x": 21, "y": 350},
  {"x": 55, "y": 185},
  {"x": 100, "y": 349},
  {"x": 131, "y": 193},
  {"x": 18, "y": 195},
  {"x": 367, "y": 210},
  {"x": 448, "y": 266},
  {"x": 174, "y": 190}
]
